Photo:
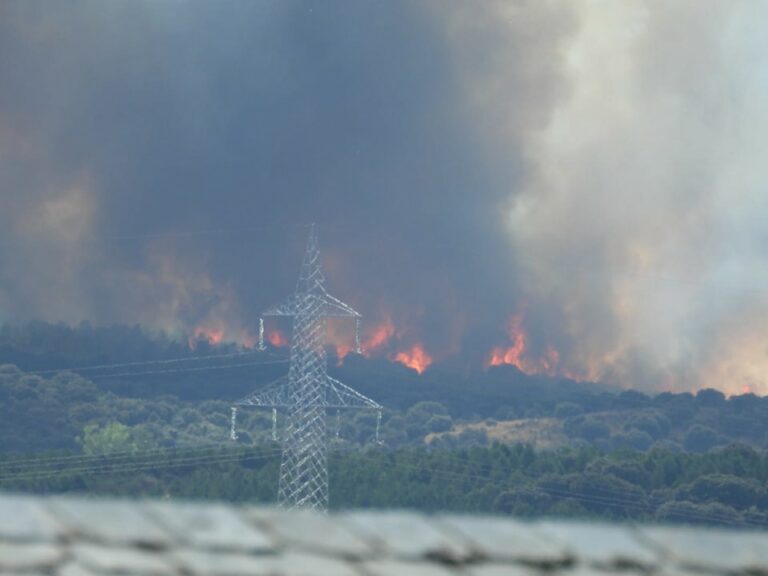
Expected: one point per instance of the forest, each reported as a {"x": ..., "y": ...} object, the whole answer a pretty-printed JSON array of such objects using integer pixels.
[
  {"x": 83, "y": 411},
  {"x": 723, "y": 487}
]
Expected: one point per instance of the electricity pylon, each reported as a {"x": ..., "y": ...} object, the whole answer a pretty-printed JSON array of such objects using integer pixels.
[{"x": 308, "y": 392}]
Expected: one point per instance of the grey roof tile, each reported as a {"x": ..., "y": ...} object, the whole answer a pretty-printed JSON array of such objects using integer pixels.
[
  {"x": 236, "y": 564},
  {"x": 585, "y": 570},
  {"x": 299, "y": 564},
  {"x": 601, "y": 545},
  {"x": 26, "y": 518},
  {"x": 408, "y": 535},
  {"x": 208, "y": 563},
  {"x": 210, "y": 526},
  {"x": 22, "y": 556},
  {"x": 113, "y": 521},
  {"x": 79, "y": 537},
  {"x": 676, "y": 571},
  {"x": 712, "y": 549},
  {"x": 111, "y": 560},
  {"x": 311, "y": 532},
  {"x": 504, "y": 570},
  {"x": 74, "y": 569},
  {"x": 387, "y": 567},
  {"x": 504, "y": 540}
]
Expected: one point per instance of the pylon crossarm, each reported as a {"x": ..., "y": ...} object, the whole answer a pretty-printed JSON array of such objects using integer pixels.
[
  {"x": 335, "y": 308},
  {"x": 329, "y": 307},
  {"x": 340, "y": 395},
  {"x": 289, "y": 307},
  {"x": 273, "y": 396}
]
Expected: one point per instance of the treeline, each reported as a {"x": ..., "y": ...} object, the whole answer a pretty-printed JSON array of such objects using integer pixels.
[
  {"x": 135, "y": 429},
  {"x": 593, "y": 413},
  {"x": 68, "y": 412},
  {"x": 186, "y": 398},
  {"x": 724, "y": 487},
  {"x": 727, "y": 486}
]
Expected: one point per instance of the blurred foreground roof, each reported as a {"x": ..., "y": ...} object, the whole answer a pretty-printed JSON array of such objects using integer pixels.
[{"x": 82, "y": 537}]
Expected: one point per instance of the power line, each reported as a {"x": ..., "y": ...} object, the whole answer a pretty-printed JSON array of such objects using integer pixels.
[
  {"x": 186, "y": 370},
  {"x": 148, "y": 464},
  {"x": 611, "y": 500},
  {"x": 38, "y": 462},
  {"x": 196, "y": 369},
  {"x": 150, "y": 362}
]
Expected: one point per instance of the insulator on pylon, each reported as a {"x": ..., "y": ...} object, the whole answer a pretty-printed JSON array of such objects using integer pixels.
[
  {"x": 378, "y": 426},
  {"x": 338, "y": 424},
  {"x": 233, "y": 424},
  {"x": 261, "y": 334},
  {"x": 274, "y": 424},
  {"x": 357, "y": 336}
]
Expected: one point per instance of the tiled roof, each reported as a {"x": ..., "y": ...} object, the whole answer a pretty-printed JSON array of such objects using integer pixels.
[{"x": 83, "y": 537}]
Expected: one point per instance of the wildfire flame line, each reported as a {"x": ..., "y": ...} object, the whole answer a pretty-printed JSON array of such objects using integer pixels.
[
  {"x": 416, "y": 358},
  {"x": 519, "y": 353}
]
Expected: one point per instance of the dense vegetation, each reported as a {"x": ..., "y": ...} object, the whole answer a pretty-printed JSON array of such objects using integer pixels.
[
  {"x": 185, "y": 396},
  {"x": 727, "y": 486},
  {"x": 132, "y": 428}
]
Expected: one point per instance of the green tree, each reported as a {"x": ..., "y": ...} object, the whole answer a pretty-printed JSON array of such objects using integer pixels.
[
  {"x": 114, "y": 437},
  {"x": 701, "y": 438},
  {"x": 426, "y": 417}
]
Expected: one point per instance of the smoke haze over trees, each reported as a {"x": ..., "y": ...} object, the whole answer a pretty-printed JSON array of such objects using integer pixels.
[
  {"x": 176, "y": 396},
  {"x": 134, "y": 426}
]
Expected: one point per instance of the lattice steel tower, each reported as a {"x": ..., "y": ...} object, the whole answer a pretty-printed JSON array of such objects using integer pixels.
[{"x": 308, "y": 392}]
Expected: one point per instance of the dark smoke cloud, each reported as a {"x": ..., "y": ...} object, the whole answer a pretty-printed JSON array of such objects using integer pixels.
[{"x": 134, "y": 118}]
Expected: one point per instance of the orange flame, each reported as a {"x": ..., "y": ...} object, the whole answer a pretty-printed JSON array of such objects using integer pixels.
[
  {"x": 519, "y": 354},
  {"x": 342, "y": 350},
  {"x": 378, "y": 337},
  {"x": 215, "y": 331},
  {"x": 415, "y": 358},
  {"x": 514, "y": 354},
  {"x": 340, "y": 337},
  {"x": 372, "y": 340},
  {"x": 277, "y": 338},
  {"x": 248, "y": 340},
  {"x": 214, "y": 336}
]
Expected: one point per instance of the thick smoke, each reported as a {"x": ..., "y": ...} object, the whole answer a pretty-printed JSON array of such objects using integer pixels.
[
  {"x": 125, "y": 121},
  {"x": 594, "y": 164},
  {"x": 639, "y": 234}
]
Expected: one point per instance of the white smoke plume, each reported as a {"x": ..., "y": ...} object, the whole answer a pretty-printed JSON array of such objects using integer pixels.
[{"x": 639, "y": 225}]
